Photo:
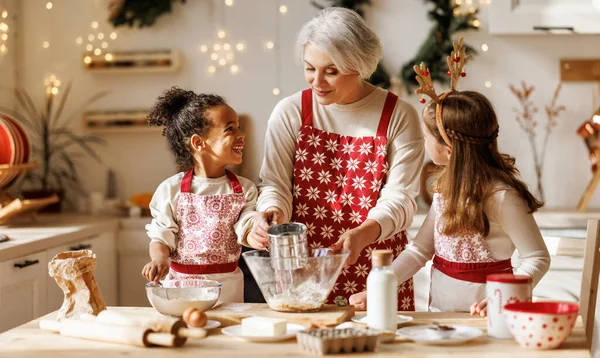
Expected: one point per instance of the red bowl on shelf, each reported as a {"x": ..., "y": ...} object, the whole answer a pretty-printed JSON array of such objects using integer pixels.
[
  {"x": 7, "y": 144},
  {"x": 541, "y": 325}
]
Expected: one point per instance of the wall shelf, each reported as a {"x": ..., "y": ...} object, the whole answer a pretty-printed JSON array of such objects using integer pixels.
[
  {"x": 120, "y": 121},
  {"x": 133, "y": 62}
]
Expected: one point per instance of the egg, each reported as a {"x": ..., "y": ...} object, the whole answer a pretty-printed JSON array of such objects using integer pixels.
[
  {"x": 187, "y": 313},
  {"x": 198, "y": 319}
]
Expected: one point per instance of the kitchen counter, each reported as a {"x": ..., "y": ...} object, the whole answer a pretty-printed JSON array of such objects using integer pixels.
[
  {"x": 28, "y": 341},
  {"x": 46, "y": 231}
]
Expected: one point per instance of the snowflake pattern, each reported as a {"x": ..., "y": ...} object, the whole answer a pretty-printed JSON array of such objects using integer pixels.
[
  {"x": 469, "y": 247},
  {"x": 206, "y": 235},
  {"x": 339, "y": 178}
]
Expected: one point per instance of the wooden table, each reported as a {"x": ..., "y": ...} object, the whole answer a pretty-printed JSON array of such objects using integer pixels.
[{"x": 30, "y": 342}]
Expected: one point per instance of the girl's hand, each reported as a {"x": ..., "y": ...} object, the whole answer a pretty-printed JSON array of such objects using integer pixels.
[
  {"x": 479, "y": 308},
  {"x": 258, "y": 237},
  {"x": 357, "y": 239},
  {"x": 156, "y": 269},
  {"x": 359, "y": 301}
]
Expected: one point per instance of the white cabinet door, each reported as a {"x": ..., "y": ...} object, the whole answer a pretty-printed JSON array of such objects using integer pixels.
[
  {"x": 104, "y": 246},
  {"x": 133, "y": 255},
  {"x": 22, "y": 289},
  {"x": 544, "y": 16}
]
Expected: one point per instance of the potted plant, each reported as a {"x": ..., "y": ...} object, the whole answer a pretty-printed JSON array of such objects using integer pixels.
[{"x": 54, "y": 143}]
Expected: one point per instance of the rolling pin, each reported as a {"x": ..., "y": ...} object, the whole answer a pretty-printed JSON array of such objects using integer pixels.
[
  {"x": 162, "y": 324},
  {"x": 137, "y": 336}
]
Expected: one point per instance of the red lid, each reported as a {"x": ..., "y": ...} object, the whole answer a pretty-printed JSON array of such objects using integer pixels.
[{"x": 508, "y": 278}]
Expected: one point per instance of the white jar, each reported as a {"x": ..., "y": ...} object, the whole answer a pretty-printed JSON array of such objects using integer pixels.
[
  {"x": 382, "y": 293},
  {"x": 502, "y": 289}
]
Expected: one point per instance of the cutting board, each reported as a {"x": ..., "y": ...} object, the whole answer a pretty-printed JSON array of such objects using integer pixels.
[{"x": 233, "y": 313}]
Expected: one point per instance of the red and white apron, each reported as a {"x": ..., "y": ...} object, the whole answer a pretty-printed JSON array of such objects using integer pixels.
[
  {"x": 337, "y": 180},
  {"x": 207, "y": 245},
  {"x": 460, "y": 267}
]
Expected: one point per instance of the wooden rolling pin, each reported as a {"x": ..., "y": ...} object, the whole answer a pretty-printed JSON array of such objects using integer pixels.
[
  {"x": 156, "y": 323},
  {"x": 137, "y": 336}
]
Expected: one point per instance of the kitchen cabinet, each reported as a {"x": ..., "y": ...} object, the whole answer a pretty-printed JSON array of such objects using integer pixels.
[
  {"x": 22, "y": 289},
  {"x": 104, "y": 246},
  {"x": 133, "y": 255},
  {"x": 544, "y": 16}
]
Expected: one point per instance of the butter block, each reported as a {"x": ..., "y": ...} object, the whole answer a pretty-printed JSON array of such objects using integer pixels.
[{"x": 263, "y": 326}]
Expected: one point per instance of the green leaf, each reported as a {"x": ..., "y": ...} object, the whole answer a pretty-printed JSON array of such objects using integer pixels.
[{"x": 61, "y": 104}]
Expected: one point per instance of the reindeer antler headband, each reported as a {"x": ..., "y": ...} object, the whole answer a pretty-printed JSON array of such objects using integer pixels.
[{"x": 456, "y": 63}]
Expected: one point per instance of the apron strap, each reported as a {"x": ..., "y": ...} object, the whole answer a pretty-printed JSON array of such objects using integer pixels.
[
  {"x": 471, "y": 271},
  {"x": 386, "y": 114},
  {"x": 235, "y": 183},
  {"x": 186, "y": 182},
  {"x": 307, "y": 107}
]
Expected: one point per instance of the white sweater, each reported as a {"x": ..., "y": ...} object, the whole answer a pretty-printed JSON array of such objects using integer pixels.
[
  {"x": 396, "y": 205},
  {"x": 511, "y": 226},
  {"x": 163, "y": 206}
]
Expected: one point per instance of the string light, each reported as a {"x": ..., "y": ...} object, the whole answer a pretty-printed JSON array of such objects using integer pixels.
[
  {"x": 113, "y": 35},
  {"x": 4, "y": 27},
  {"x": 97, "y": 52},
  {"x": 214, "y": 56},
  {"x": 488, "y": 84},
  {"x": 4, "y": 37},
  {"x": 472, "y": 10},
  {"x": 276, "y": 92},
  {"x": 4, "y": 30},
  {"x": 89, "y": 47},
  {"x": 203, "y": 48},
  {"x": 46, "y": 44},
  {"x": 97, "y": 43},
  {"x": 270, "y": 45},
  {"x": 104, "y": 45},
  {"x": 94, "y": 25},
  {"x": 4, "y": 14},
  {"x": 229, "y": 2},
  {"x": 52, "y": 83},
  {"x": 212, "y": 69},
  {"x": 221, "y": 51},
  {"x": 108, "y": 57},
  {"x": 484, "y": 47},
  {"x": 468, "y": 2},
  {"x": 458, "y": 2},
  {"x": 49, "y": 5},
  {"x": 226, "y": 47},
  {"x": 221, "y": 34},
  {"x": 283, "y": 9},
  {"x": 217, "y": 47},
  {"x": 3, "y": 48},
  {"x": 87, "y": 60},
  {"x": 234, "y": 69},
  {"x": 476, "y": 23},
  {"x": 100, "y": 36},
  {"x": 79, "y": 40},
  {"x": 240, "y": 47}
]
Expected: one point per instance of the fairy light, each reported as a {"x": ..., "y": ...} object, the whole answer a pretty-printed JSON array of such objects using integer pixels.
[
  {"x": 91, "y": 37},
  {"x": 89, "y": 47},
  {"x": 3, "y": 48},
  {"x": 476, "y": 23},
  {"x": 46, "y": 44},
  {"x": 97, "y": 52},
  {"x": 203, "y": 48},
  {"x": 468, "y": 2},
  {"x": 240, "y": 47},
  {"x": 97, "y": 43},
  {"x": 94, "y": 25},
  {"x": 52, "y": 83},
  {"x": 484, "y": 47},
  {"x": 221, "y": 51},
  {"x": 113, "y": 35},
  {"x": 104, "y": 45},
  {"x": 217, "y": 47},
  {"x": 4, "y": 37},
  {"x": 226, "y": 47},
  {"x": 4, "y": 14},
  {"x": 212, "y": 69},
  {"x": 234, "y": 69},
  {"x": 87, "y": 59},
  {"x": 49, "y": 5},
  {"x": 108, "y": 57},
  {"x": 229, "y": 2},
  {"x": 222, "y": 62},
  {"x": 221, "y": 34},
  {"x": 79, "y": 40},
  {"x": 270, "y": 45},
  {"x": 472, "y": 10},
  {"x": 214, "y": 56},
  {"x": 3, "y": 27},
  {"x": 100, "y": 36},
  {"x": 283, "y": 9},
  {"x": 488, "y": 84},
  {"x": 458, "y": 2},
  {"x": 276, "y": 91}
]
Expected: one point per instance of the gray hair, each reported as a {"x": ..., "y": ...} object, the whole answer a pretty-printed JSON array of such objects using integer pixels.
[{"x": 345, "y": 37}]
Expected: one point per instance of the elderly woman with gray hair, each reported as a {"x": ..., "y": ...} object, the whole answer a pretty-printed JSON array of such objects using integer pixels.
[{"x": 343, "y": 157}]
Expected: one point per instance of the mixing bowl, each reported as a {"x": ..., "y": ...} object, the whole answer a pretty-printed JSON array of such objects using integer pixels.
[
  {"x": 173, "y": 297},
  {"x": 304, "y": 289},
  {"x": 541, "y": 325}
]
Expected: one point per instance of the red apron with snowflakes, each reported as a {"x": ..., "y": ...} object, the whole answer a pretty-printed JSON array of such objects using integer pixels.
[
  {"x": 207, "y": 246},
  {"x": 337, "y": 180},
  {"x": 465, "y": 258}
]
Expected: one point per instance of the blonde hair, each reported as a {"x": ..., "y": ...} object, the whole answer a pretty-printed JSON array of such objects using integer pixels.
[
  {"x": 345, "y": 37},
  {"x": 476, "y": 164}
]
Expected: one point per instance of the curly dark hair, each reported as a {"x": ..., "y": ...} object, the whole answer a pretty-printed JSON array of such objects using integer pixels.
[{"x": 183, "y": 113}]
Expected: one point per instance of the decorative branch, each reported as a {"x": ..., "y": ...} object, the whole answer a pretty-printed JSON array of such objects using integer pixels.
[{"x": 526, "y": 119}]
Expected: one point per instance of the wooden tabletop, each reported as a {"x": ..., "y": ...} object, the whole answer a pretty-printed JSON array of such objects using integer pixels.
[{"x": 29, "y": 341}]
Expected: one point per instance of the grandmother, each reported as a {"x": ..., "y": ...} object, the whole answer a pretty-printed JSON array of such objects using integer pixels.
[{"x": 343, "y": 156}]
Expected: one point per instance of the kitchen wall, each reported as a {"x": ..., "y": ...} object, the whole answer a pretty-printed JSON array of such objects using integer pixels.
[{"x": 141, "y": 160}]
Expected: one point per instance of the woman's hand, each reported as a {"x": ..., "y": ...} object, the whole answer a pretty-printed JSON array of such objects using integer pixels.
[
  {"x": 357, "y": 239},
  {"x": 156, "y": 269},
  {"x": 359, "y": 301},
  {"x": 258, "y": 237},
  {"x": 479, "y": 308}
]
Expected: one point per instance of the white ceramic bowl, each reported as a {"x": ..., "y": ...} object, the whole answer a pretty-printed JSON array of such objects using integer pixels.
[
  {"x": 541, "y": 325},
  {"x": 173, "y": 297}
]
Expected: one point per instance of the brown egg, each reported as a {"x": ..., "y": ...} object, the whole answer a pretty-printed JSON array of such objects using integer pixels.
[
  {"x": 198, "y": 319},
  {"x": 187, "y": 313}
]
